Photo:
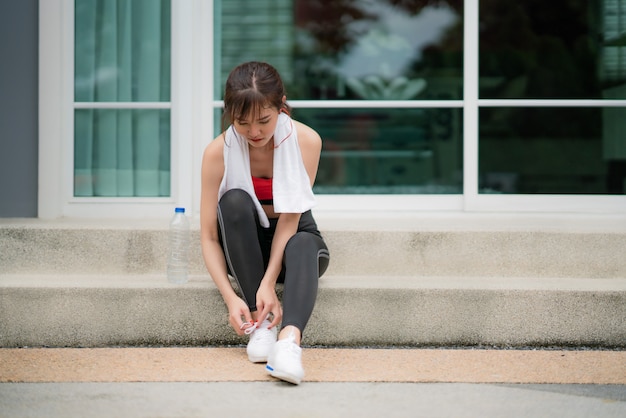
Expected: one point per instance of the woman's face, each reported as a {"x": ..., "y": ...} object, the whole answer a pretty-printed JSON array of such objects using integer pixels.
[{"x": 258, "y": 129}]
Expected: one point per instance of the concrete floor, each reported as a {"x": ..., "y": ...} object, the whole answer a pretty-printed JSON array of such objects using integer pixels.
[{"x": 203, "y": 382}]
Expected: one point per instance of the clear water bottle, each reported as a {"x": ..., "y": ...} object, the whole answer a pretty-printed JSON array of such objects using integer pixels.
[{"x": 178, "y": 255}]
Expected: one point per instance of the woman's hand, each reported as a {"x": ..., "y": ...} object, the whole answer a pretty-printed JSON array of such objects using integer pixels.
[
  {"x": 238, "y": 314},
  {"x": 267, "y": 302}
]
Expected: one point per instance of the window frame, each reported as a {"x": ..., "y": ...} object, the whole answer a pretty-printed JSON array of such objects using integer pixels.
[
  {"x": 192, "y": 125},
  {"x": 56, "y": 121}
]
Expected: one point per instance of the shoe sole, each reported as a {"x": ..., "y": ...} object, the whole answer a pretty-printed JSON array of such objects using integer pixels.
[
  {"x": 283, "y": 376},
  {"x": 258, "y": 359}
]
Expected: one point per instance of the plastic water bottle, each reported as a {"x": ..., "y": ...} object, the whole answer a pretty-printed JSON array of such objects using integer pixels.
[{"x": 178, "y": 255}]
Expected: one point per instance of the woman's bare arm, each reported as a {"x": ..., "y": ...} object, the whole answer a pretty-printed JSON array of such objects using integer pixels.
[{"x": 212, "y": 173}]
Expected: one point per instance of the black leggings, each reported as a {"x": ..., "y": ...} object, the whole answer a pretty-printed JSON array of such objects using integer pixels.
[{"x": 247, "y": 246}]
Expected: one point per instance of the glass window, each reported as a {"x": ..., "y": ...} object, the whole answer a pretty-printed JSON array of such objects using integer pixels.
[
  {"x": 361, "y": 50},
  {"x": 567, "y": 50},
  {"x": 553, "y": 150},
  {"x": 383, "y": 151},
  {"x": 347, "y": 49},
  {"x": 560, "y": 49},
  {"x": 122, "y": 55},
  {"x": 121, "y": 153}
]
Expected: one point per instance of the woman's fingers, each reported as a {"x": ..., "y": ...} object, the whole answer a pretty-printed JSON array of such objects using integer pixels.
[
  {"x": 239, "y": 316},
  {"x": 278, "y": 316}
]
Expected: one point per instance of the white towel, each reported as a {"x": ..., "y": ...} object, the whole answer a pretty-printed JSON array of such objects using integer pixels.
[{"x": 291, "y": 184}]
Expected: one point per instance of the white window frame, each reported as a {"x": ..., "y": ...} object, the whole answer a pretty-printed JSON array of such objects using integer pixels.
[
  {"x": 192, "y": 107},
  {"x": 56, "y": 118}
]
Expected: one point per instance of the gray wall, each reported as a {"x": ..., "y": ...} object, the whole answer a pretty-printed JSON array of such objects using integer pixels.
[{"x": 19, "y": 30}]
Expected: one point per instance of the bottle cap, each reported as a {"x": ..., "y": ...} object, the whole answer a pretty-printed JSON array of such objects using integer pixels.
[{"x": 179, "y": 210}]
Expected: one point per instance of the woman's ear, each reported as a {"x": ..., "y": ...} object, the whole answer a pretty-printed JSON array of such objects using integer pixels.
[{"x": 284, "y": 108}]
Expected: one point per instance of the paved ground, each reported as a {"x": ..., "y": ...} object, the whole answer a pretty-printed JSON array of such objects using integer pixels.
[
  {"x": 259, "y": 399},
  {"x": 195, "y": 382}
]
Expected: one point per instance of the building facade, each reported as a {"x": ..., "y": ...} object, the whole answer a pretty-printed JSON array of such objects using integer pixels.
[{"x": 422, "y": 105}]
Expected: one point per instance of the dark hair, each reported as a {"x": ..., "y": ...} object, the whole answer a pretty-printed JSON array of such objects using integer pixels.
[{"x": 250, "y": 87}]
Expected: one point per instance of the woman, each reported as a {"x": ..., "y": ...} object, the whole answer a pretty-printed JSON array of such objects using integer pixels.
[{"x": 256, "y": 221}]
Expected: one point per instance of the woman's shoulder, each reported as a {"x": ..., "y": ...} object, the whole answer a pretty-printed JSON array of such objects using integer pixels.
[
  {"x": 214, "y": 152},
  {"x": 215, "y": 147},
  {"x": 306, "y": 134}
]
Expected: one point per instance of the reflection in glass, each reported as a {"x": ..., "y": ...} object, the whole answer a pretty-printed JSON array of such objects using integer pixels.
[
  {"x": 121, "y": 153},
  {"x": 399, "y": 151},
  {"x": 560, "y": 49},
  {"x": 552, "y": 150},
  {"x": 122, "y": 50},
  {"x": 347, "y": 49}
]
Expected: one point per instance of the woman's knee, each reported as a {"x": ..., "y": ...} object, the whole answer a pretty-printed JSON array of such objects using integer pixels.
[
  {"x": 235, "y": 198},
  {"x": 306, "y": 247},
  {"x": 301, "y": 243},
  {"x": 236, "y": 203}
]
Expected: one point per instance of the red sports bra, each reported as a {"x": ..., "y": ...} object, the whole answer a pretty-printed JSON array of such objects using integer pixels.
[{"x": 263, "y": 190}]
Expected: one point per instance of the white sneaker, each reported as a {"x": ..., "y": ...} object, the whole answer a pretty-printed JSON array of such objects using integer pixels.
[
  {"x": 285, "y": 360},
  {"x": 261, "y": 342}
]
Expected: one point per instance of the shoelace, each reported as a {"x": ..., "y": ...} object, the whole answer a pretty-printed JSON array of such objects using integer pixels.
[{"x": 250, "y": 327}]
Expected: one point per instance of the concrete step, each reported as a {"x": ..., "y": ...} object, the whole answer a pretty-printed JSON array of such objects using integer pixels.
[
  {"x": 399, "y": 279},
  {"x": 400, "y": 245},
  {"x": 352, "y": 311}
]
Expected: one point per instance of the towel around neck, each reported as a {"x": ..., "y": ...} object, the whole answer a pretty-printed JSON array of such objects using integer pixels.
[{"x": 291, "y": 184}]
